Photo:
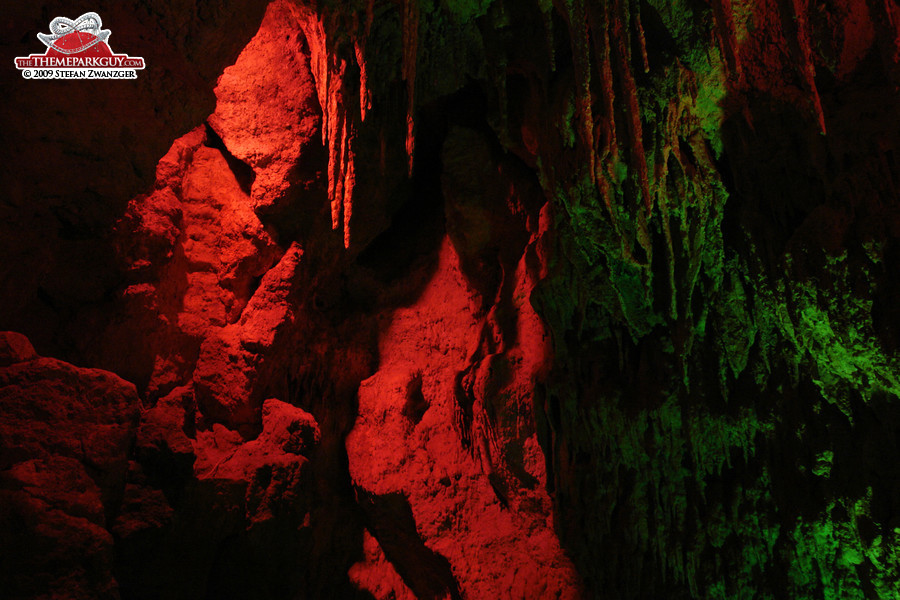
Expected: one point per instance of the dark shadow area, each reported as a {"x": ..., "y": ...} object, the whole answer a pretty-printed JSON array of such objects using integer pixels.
[
  {"x": 243, "y": 172},
  {"x": 416, "y": 404},
  {"x": 399, "y": 262},
  {"x": 391, "y": 521}
]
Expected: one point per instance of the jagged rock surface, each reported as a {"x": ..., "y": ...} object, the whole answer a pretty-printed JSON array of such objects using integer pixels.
[
  {"x": 65, "y": 435},
  {"x": 466, "y": 299}
]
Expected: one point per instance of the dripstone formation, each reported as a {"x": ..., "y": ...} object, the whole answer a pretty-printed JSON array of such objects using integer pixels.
[{"x": 454, "y": 299}]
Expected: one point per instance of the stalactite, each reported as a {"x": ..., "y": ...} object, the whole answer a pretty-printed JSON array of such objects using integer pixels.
[
  {"x": 503, "y": 97},
  {"x": 359, "y": 49},
  {"x": 314, "y": 31},
  {"x": 669, "y": 132},
  {"x": 349, "y": 181},
  {"x": 886, "y": 21},
  {"x": 620, "y": 22},
  {"x": 547, "y": 19},
  {"x": 723, "y": 15},
  {"x": 626, "y": 75},
  {"x": 580, "y": 35},
  {"x": 329, "y": 72},
  {"x": 892, "y": 16},
  {"x": 410, "y": 54},
  {"x": 598, "y": 20},
  {"x": 336, "y": 143},
  {"x": 605, "y": 143},
  {"x": 797, "y": 16},
  {"x": 337, "y": 195},
  {"x": 641, "y": 39}
]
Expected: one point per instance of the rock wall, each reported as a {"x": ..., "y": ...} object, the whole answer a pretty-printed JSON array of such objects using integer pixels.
[{"x": 455, "y": 300}]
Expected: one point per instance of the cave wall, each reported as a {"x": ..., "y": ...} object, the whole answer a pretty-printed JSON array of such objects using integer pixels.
[{"x": 430, "y": 299}]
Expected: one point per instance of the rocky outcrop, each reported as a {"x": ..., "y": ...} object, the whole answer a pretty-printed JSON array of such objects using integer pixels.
[
  {"x": 195, "y": 253},
  {"x": 376, "y": 575},
  {"x": 445, "y": 454},
  {"x": 219, "y": 496},
  {"x": 268, "y": 115},
  {"x": 445, "y": 451},
  {"x": 82, "y": 150},
  {"x": 65, "y": 437}
]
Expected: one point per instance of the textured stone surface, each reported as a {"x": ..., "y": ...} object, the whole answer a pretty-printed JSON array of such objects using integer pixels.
[
  {"x": 65, "y": 435},
  {"x": 376, "y": 575},
  {"x": 453, "y": 467},
  {"x": 445, "y": 445},
  {"x": 195, "y": 253},
  {"x": 76, "y": 152},
  {"x": 15, "y": 348},
  {"x": 267, "y": 112},
  {"x": 233, "y": 368},
  {"x": 462, "y": 299}
]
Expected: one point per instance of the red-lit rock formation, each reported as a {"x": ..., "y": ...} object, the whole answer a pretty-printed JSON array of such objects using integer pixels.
[
  {"x": 376, "y": 575},
  {"x": 445, "y": 450},
  {"x": 457, "y": 299},
  {"x": 65, "y": 437},
  {"x": 69, "y": 172},
  {"x": 445, "y": 454},
  {"x": 196, "y": 253},
  {"x": 267, "y": 112}
]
